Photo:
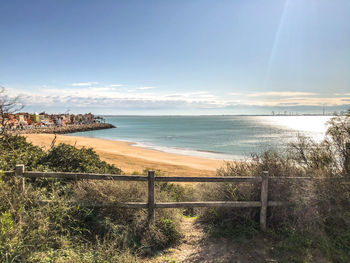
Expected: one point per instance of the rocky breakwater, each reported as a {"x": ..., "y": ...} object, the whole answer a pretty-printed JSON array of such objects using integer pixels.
[{"x": 67, "y": 129}]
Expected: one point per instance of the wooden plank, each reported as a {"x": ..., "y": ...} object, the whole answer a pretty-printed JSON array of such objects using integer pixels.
[
  {"x": 175, "y": 204},
  {"x": 90, "y": 176},
  {"x": 209, "y": 204},
  {"x": 93, "y": 176},
  {"x": 19, "y": 170},
  {"x": 8, "y": 173},
  {"x": 101, "y": 205},
  {"x": 289, "y": 178},
  {"x": 341, "y": 179},
  {"x": 206, "y": 179},
  {"x": 151, "y": 197},
  {"x": 264, "y": 200},
  {"x": 126, "y": 205},
  {"x": 278, "y": 203}
]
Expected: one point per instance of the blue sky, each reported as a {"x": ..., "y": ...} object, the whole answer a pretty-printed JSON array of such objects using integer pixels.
[{"x": 177, "y": 57}]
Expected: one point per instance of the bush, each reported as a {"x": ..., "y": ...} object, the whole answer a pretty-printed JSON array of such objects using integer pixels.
[
  {"x": 67, "y": 158},
  {"x": 169, "y": 229},
  {"x": 16, "y": 150}
]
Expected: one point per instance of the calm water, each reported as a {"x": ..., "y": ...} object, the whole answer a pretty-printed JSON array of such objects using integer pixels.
[{"x": 219, "y": 137}]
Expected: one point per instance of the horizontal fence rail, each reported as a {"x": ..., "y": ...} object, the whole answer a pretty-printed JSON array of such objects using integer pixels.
[
  {"x": 104, "y": 205},
  {"x": 8, "y": 173},
  {"x": 92, "y": 176},
  {"x": 176, "y": 204},
  {"x": 335, "y": 179},
  {"x": 80, "y": 176},
  {"x": 207, "y": 179},
  {"x": 151, "y": 205}
]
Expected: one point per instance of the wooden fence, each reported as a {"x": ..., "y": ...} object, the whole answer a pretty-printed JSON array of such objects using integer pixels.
[{"x": 151, "y": 205}]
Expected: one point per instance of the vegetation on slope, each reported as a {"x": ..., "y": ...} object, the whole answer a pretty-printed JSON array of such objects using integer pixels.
[{"x": 58, "y": 232}]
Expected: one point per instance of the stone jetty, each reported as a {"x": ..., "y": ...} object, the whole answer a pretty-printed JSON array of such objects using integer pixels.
[{"x": 65, "y": 129}]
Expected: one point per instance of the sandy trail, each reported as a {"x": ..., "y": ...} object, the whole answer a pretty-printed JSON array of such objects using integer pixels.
[{"x": 198, "y": 248}]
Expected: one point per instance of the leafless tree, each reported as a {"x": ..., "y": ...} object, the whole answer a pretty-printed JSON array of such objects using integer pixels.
[{"x": 8, "y": 105}]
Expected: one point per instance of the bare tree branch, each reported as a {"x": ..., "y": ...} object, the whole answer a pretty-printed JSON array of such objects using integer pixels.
[{"x": 8, "y": 105}]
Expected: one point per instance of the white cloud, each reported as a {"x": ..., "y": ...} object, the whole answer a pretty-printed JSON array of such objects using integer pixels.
[
  {"x": 107, "y": 96},
  {"x": 188, "y": 94},
  {"x": 110, "y": 97},
  {"x": 309, "y": 101},
  {"x": 342, "y": 94},
  {"x": 280, "y": 94},
  {"x": 116, "y": 85},
  {"x": 146, "y": 88},
  {"x": 102, "y": 89},
  {"x": 84, "y": 84}
]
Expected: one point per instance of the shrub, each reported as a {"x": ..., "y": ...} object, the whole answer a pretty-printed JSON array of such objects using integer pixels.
[
  {"x": 15, "y": 150},
  {"x": 169, "y": 229},
  {"x": 67, "y": 158}
]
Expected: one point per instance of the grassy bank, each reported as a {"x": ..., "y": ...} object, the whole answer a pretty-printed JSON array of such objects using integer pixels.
[{"x": 59, "y": 232}]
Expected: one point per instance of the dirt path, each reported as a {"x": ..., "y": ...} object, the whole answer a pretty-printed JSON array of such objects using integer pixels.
[{"x": 197, "y": 248}]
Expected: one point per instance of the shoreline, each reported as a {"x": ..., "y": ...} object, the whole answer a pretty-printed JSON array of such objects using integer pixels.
[
  {"x": 185, "y": 152},
  {"x": 134, "y": 159}
]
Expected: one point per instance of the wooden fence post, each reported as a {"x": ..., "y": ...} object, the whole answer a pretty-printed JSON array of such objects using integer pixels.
[
  {"x": 264, "y": 199},
  {"x": 151, "y": 212},
  {"x": 19, "y": 170}
]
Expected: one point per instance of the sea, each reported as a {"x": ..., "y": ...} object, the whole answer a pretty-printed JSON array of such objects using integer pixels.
[{"x": 216, "y": 137}]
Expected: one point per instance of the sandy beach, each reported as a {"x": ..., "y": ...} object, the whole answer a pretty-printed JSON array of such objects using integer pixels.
[{"x": 135, "y": 159}]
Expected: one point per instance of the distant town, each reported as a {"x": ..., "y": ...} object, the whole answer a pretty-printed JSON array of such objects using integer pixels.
[
  {"x": 24, "y": 120},
  {"x": 324, "y": 113}
]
